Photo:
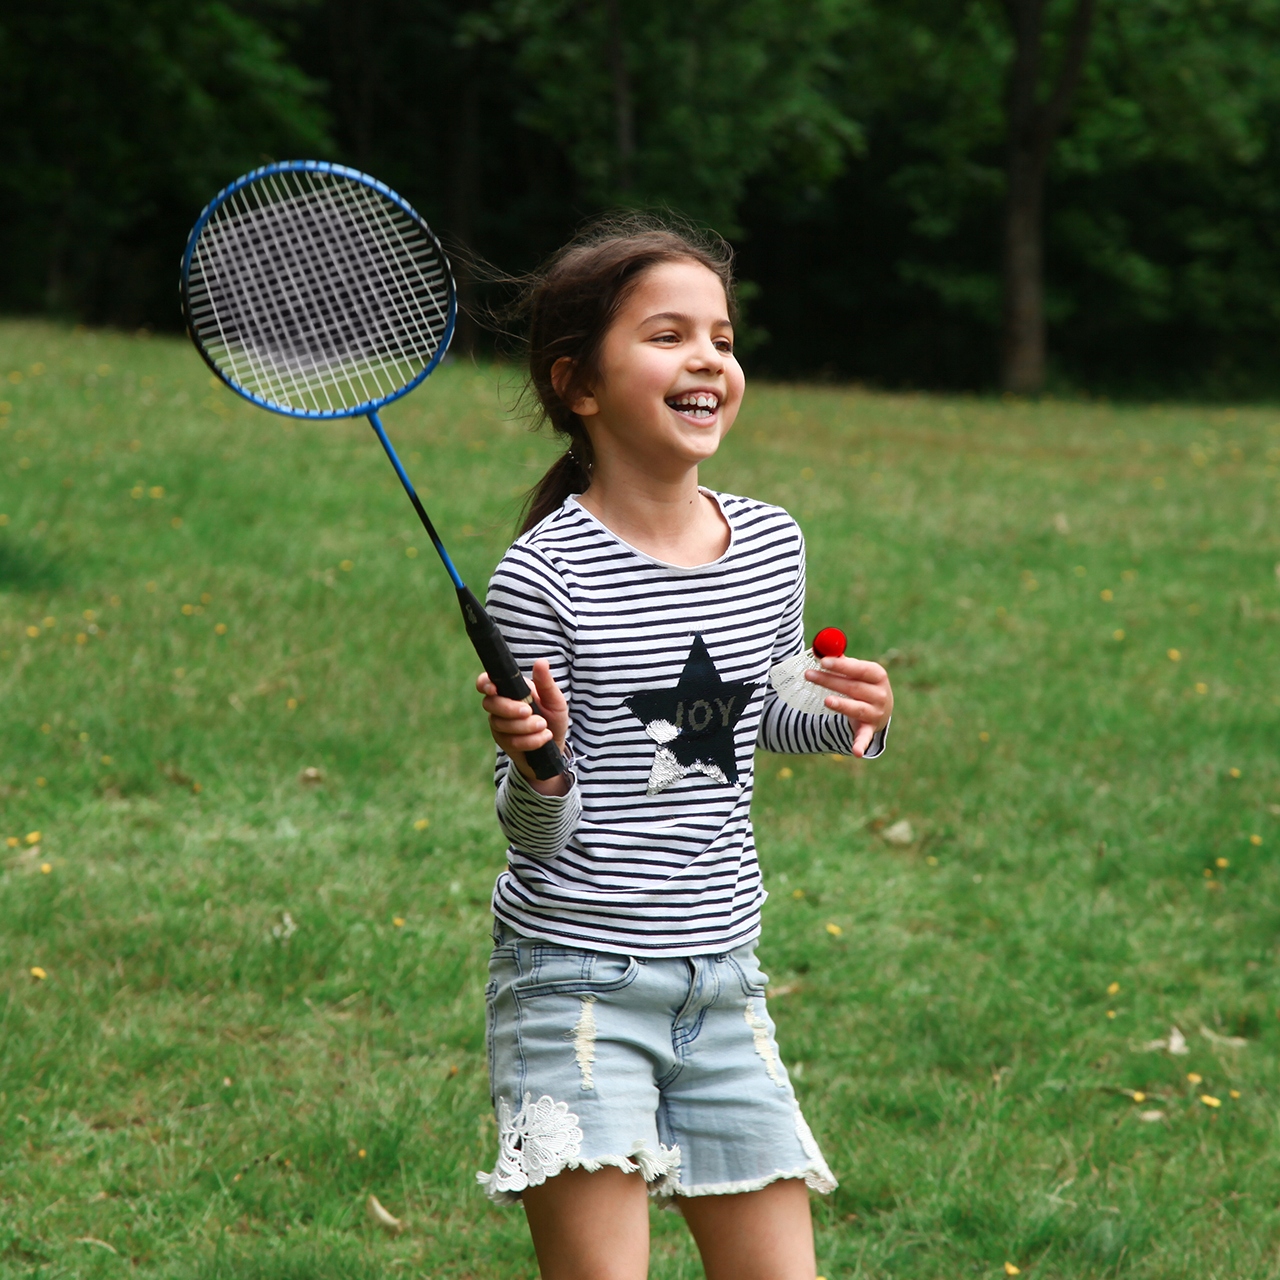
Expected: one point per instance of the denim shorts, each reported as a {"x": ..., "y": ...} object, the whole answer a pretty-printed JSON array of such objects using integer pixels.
[{"x": 667, "y": 1068}]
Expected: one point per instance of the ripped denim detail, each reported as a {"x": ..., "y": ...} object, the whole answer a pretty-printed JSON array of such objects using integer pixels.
[{"x": 543, "y": 1139}]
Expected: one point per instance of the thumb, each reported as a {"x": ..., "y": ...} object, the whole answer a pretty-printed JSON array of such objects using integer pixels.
[
  {"x": 862, "y": 739},
  {"x": 548, "y": 693}
]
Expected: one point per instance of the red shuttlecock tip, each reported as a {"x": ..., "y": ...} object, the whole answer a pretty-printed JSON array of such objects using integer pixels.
[{"x": 830, "y": 642}]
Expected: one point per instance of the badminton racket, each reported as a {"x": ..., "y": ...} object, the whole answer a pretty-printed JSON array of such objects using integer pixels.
[{"x": 315, "y": 291}]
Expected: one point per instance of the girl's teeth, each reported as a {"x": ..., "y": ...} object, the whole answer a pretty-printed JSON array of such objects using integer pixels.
[{"x": 696, "y": 403}]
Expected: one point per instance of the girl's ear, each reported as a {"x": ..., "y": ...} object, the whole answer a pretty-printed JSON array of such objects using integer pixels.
[{"x": 584, "y": 403}]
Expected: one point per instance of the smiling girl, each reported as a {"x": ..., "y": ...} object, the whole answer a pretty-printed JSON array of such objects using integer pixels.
[{"x": 630, "y": 1047}]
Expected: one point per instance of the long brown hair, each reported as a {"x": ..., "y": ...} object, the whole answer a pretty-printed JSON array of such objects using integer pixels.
[{"x": 568, "y": 306}]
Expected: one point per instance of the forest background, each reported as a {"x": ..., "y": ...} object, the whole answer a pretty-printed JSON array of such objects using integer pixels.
[{"x": 858, "y": 153}]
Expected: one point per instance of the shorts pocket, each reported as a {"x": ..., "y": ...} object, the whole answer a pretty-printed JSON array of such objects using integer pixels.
[
  {"x": 751, "y": 977},
  {"x": 556, "y": 970}
]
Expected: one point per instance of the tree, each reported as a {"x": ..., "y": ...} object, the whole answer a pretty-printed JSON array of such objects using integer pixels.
[
  {"x": 679, "y": 102},
  {"x": 118, "y": 120},
  {"x": 1034, "y": 123}
]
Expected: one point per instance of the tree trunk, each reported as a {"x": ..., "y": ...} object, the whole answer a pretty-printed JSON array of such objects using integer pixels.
[
  {"x": 355, "y": 81},
  {"x": 1023, "y": 348},
  {"x": 623, "y": 113},
  {"x": 1033, "y": 128},
  {"x": 464, "y": 197}
]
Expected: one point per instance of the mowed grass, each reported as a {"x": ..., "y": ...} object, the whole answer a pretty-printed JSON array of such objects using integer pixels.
[{"x": 263, "y": 987}]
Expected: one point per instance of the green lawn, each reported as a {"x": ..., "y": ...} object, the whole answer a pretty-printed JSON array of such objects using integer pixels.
[{"x": 263, "y": 990}]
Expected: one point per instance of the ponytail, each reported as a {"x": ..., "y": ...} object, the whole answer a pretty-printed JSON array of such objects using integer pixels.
[
  {"x": 566, "y": 476},
  {"x": 568, "y": 307}
]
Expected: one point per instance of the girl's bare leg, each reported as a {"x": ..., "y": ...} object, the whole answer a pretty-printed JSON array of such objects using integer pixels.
[
  {"x": 755, "y": 1235},
  {"x": 591, "y": 1226}
]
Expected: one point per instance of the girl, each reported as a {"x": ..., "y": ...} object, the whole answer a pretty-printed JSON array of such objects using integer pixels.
[{"x": 629, "y": 1044}]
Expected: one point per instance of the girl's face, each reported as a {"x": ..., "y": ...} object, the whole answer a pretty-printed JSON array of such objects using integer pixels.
[{"x": 669, "y": 387}]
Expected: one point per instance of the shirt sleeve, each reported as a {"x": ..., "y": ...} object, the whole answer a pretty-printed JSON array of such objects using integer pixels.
[
  {"x": 783, "y": 728},
  {"x": 529, "y": 602}
]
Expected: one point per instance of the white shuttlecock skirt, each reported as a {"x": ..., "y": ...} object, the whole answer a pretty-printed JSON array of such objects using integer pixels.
[{"x": 787, "y": 677}]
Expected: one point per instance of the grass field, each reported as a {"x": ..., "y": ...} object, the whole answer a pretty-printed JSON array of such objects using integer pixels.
[{"x": 237, "y": 996}]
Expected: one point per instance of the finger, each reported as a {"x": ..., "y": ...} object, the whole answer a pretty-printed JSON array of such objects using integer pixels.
[
  {"x": 530, "y": 724},
  {"x": 526, "y": 742},
  {"x": 852, "y": 708},
  {"x": 485, "y": 685},
  {"x": 862, "y": 739},
  {"x": 548, "y": 692},
  {"x": 856, "y": 669},
  {"x": 850, "y": 688},
  {"x": 507, "y": 708}
]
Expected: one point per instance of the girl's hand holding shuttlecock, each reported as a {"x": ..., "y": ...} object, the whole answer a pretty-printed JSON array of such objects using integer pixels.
[
  {"x": 517, "y": 727},
  {"x": 822, "y": 681}
]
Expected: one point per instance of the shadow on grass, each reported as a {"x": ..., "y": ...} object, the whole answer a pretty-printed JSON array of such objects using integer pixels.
[
  {"x": 326, "y": 1260},
  {"x": 28, "y": 570}
]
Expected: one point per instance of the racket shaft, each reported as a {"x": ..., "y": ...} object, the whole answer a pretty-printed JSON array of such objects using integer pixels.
[{"x": 491, "y": 648}]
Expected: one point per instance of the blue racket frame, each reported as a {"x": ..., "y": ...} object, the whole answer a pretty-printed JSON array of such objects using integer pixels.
[
  {"x": 546, "y": 760},
  {"x": 369, "y": 409}
]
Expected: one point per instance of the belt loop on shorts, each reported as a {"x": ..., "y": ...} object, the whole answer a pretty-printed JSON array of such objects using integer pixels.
[{"x": 499, "y": 932}]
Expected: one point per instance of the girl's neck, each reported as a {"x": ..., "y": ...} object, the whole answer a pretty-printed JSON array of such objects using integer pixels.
[{"x": 668, "y": 518}]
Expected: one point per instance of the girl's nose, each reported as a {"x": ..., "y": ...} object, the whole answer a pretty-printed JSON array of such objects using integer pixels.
[{"x": 706, "y": 355}]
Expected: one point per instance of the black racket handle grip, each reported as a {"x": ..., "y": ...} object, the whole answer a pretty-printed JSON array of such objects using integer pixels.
[{"x": 546, "y": 762}]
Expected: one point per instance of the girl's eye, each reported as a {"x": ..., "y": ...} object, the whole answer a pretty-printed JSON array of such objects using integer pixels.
[{"x": 723, "y": 344}]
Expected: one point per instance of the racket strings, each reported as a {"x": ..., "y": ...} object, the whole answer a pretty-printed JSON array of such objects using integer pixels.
[{"x": 317, "y": 293}]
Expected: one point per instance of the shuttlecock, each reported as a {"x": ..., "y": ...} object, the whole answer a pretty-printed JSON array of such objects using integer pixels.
[{"x": 788, "y": 676}]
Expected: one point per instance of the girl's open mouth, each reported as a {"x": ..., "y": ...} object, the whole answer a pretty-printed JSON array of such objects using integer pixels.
[{"x": 696, "y": 404}]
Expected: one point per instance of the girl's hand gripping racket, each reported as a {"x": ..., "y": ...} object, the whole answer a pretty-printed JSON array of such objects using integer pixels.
[{"x": 315, "y": 291}]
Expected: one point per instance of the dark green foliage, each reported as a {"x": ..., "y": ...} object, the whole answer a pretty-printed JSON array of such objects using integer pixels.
[
  {"x": 1163, "y": 255},
  {"x": 854, "y": 148},
  {"x": 117, "y": 122}
]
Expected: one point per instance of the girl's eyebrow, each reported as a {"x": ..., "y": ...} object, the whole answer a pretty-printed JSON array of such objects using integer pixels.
[{"x": 678, "y": 317}]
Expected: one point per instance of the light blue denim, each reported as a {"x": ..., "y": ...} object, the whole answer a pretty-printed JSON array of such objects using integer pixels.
[{"x": 667, "y": 1068}]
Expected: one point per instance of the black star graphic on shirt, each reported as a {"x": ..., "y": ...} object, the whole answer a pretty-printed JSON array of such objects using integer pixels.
[{"x": 693, "y": 723}]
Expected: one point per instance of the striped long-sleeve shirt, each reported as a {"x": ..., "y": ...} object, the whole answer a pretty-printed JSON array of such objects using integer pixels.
[{"x": 665, "y": 669}]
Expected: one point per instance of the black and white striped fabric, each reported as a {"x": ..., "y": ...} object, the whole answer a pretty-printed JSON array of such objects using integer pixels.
[{"x": 666, "y": 672}]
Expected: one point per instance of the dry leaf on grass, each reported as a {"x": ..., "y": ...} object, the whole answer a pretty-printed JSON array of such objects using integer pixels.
[
  {"x": 98, "y": 1244},
  {"x": 381, "y": 1218},
  {"x": 901, "y": 832},
  {"x": 1227, "y": 1042},
  {"x": 1175, "y": 1044}
]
